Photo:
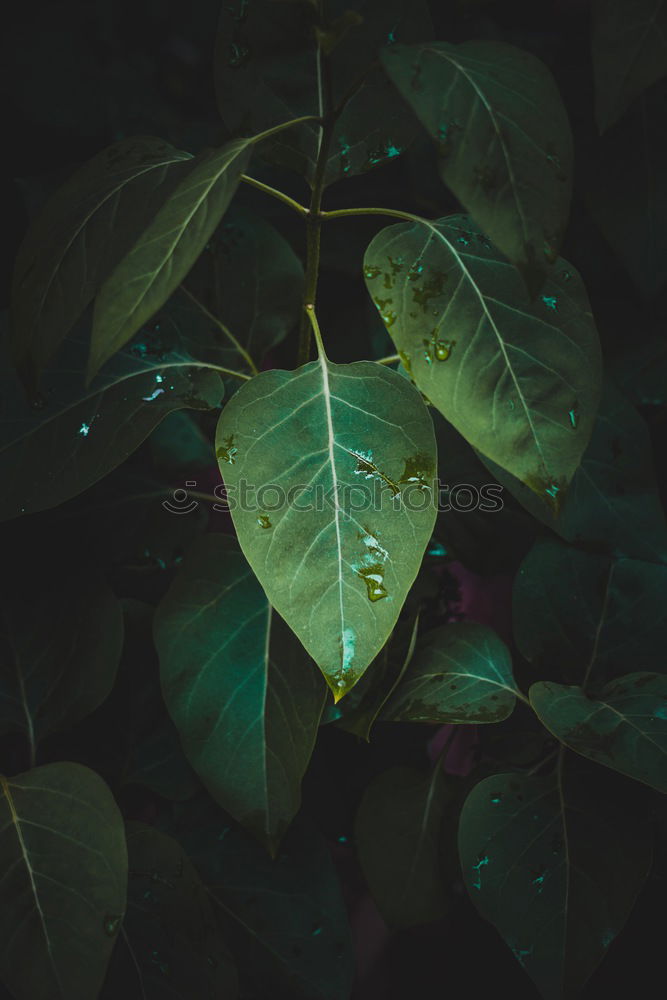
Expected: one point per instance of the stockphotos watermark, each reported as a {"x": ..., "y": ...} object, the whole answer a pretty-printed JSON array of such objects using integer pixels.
[{"x": 272, "y": 497}]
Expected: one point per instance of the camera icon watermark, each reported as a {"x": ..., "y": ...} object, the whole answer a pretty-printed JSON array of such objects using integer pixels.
[{"x": 181, "y": 502}]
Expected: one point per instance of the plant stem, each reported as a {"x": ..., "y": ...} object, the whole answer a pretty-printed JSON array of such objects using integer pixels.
[
  {"x": 389, "y": 360},
  {"x": 275, "y": 193},
  {"x": 311, "y": 319},
  {"x": 396, "y": 213},
  {"x": 227, "y": 332}
]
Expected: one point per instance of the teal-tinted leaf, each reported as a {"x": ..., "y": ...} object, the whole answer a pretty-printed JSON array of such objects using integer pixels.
[
  {"x": 625, "y": 187},
  {"x": 58, "y": 659},
  {"x": 503, "y": 137},
  {"x": 245, "y": 699},
  {"x": 338, "y": 464},
  {"x": 271, "y": 64},
  {"x": 62, "y": 896},
  {"x": 51, "y": 453},
  {"x": 81, "y": 235},
  {"x": 613, "y": 500},
  {"x": 397, "y": 835},
  {"x": 518, "y": 378},
  {"x": 624, "y": 726},
  {"x": 555, "y": 864},
  {"x": 178, "y": 445},
  {"x": 170, "y": 945},
  {"x": 286, "y": 919},
  {"x": 252, "y": 280},
  {"x": 166, "y": 249},
  {"x": 459, "y": 673},
  {"x": 584, "y": 615},
  {"x": 629, "y": 53}
]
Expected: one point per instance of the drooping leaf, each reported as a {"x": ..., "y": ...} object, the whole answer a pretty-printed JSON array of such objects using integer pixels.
[
  {"x": 58, "y": 659},
  {"x": 629, "y": 53},
  {"x": 503, "y": 138},
  {"x": 519, "y": 379},
  {"x": 166, "y": 249},
  {"x": 612, "y": 501},
  {"x": 277, "y": 61},
  {"x": 337, "y": 463},
  {"x": 170, "y": 944},
  {"x": 252, "y": 281},
  {"x": 81, "y": 235},
  {"x": 625, "y": 187},
  {"x": 623, "y": 727},
  {"x": 459, "y": 673},
  {"x": 581, "y": 614},
  {"x": 555, "y": 863},
  {"x": 285, "y": 918},
  {"x": 244, "y": 698},
  {"x": 64, "y": 862},
  {"x": 77, "y": 436},
  {"x": 397, "y": 835}
]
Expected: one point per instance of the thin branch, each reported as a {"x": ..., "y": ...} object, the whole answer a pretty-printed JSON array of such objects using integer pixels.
[
  {"x": 275, "y": 193},
  {"x": 389, "y": 360}
]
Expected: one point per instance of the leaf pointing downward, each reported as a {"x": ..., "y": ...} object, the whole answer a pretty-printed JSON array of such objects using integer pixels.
[
  {"x": 519, "y": 379},
  {"x": 337, "y": 462}
]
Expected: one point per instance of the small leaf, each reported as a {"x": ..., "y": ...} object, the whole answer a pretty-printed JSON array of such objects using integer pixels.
[
  {"x": 623, "y": 727},
  {"x": 503, "y": 137},
  {"x": 556, "y": 865},
  {"x": 337, "y": 464},
  {"x": 64, "y": 861},
  {"x": 58, "y": 659},
  {"x": 81, "y": 235},
  {"x": 629, "y": 53},
  {"x": 165, "y": 251},
  {"x": 171, "y": 944},
  {"x": 582, "y": 614},
  {"x": 245, "y": 699},
  {"x": 519, "y": 379},
  {"x": 397, "y": 834},
  {"x": 459, "y": 673}
]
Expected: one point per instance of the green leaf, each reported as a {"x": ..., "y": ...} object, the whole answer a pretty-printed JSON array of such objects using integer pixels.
[
  {"x": 555, "y": 863},
  {"x": 165, "y": 251},
  {"x": 625, "y": 188},
  {"x": 80, "y": 236},
  {"x": 519, "y": 379},
  {"x": 268, "y": 69},
  {"x": 623, "y": 727},
  {"x": 285, "y": 919},
  {"x": 581, "y": 614},
  {"x": 58, "y": 659},
  {"x": 64, "y": 862},
  {"x": 459, "y": 673},
  {"x": 612, "y": 502},
  {"x": 338, "y": 463},
  {"x": 503, "y": 139},
  {"x": 55, "y": 451},
  {"x": 171, "y": 944},
  {"x": 397, "y": 835},
  {"x": 245, "y": 700},
  {"x": 629, "y": 53}
]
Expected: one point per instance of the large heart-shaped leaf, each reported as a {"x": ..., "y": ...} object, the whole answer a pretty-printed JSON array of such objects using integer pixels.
[
  {"x": 504, "y": 141},
  {"x": 166, "y": 249},
  {"x": 585, "y": 615},
  {"x": 519, "y": 379},
  {"x": 51, "y": 453},
  {"x": 397, "y": 835},
  {"x": 276, "y": 61},
  {"x": 624, "y": 726},
  {"x": 629, "y": 53},
  {"x": 64, "y": 864},
  {"x": 555, "y": 863},
  {"x": 330, "y": 472},
  {"x": 81, "y": 235},
  {"x": 171, "y": 943},
  {"x": 459, "y": 673},
  {"x": 245, "y": 699},
  {"x": 58, "y": 659},
  {"x": 612, "y": 502},
  {"x": 285, "y": 918}
]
